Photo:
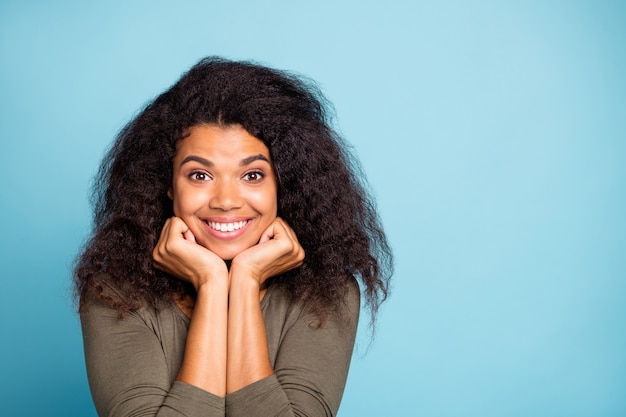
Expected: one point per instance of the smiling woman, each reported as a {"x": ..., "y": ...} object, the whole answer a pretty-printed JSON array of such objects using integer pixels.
[
  {"x": 224, "y": 280},
  {"x": 224, "y": 188}
]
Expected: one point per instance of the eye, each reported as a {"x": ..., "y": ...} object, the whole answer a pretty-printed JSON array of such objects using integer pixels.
[
  {"x": 199, "y": 176},
  {"x": 253, "y": 176}
]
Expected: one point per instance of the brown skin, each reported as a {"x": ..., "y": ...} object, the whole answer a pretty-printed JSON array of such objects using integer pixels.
[{"x": 226, "y": 346}]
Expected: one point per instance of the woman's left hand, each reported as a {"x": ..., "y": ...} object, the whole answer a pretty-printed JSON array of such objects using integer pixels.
[{"x": 278, "y": 251}]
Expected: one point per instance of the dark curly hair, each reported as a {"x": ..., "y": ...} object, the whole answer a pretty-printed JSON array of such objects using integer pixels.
[{"x": 322, "y": 192}]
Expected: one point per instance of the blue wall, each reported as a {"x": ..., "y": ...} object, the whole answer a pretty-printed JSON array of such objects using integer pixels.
[{"x": 494, "y": 136}]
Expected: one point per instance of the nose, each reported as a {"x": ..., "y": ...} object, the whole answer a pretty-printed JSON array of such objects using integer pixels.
[{"x": 225, "y": 196}]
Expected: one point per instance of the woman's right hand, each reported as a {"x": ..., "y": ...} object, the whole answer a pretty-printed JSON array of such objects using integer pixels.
[{"x": 178, "y": 254}]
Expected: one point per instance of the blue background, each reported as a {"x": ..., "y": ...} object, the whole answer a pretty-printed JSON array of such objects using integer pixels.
[{"x": 493, "y": 134}]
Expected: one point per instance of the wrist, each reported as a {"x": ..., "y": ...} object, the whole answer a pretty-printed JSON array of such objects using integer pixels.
[
  {"x": 212, "y": 282},
  {"x": 244, "y": 282}
]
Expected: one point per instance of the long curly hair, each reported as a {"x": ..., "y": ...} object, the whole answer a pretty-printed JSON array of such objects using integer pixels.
[{"x": 322, "y": 191}]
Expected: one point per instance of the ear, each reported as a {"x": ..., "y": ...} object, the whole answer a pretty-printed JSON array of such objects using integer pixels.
[{"x": 170, "y": 194}]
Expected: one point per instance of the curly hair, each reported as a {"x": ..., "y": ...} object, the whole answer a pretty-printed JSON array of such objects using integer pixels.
[{"x": 322, "y": 192}]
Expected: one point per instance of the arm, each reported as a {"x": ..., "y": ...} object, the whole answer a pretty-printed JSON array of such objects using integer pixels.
[
  {"x": 130, "y": 375},
  {"x": 278, "y": 250},
  {"x": 311, "y": 363},
  {"x": 248, "y": 356},
  {"x": 132, "y": 362},
  {"x": 129, "y": 364},
  {"x": 204, "y": 364}
]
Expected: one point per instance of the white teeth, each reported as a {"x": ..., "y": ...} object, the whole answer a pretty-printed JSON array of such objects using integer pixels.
[{"x": 227, "y": 227}]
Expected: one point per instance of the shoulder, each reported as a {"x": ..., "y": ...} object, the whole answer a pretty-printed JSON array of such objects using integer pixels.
[
  {"x": 110, "y": 299},
  {"x": 280, "y": 305},
  {"x": 103, "y": 293}
]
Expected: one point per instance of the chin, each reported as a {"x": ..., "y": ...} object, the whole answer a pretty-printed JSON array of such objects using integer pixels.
[{"x": 227, "y": 254}]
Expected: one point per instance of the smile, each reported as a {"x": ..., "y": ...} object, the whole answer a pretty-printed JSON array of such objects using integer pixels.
[{"x": 227, "y": 227}]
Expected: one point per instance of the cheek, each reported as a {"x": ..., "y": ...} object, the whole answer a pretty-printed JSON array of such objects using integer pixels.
[
  {"x": 266, "y": 202},
  {"x": 185, "y": 201},
  {"x": 264, "y": 207}
]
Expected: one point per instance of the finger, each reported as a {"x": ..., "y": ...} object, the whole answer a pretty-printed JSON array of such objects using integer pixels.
[
  {"x": 165, "y": 230},
  {"x": 178, "y": 225},
  {"x": 182, "y": 228},
  {"x": 296, "y": 250},
  {"x": 268, "y": 234},
  {"x": 288, "y": 240},
  {"x": 278, "y": 230},
  {"x": 173, "y": 229},
  {"x": 188, "y": 235},
  {"x": 283, "y": 231}
]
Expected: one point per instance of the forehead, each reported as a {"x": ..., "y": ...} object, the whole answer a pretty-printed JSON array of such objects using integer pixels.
[{"x": 220, "y": 142}]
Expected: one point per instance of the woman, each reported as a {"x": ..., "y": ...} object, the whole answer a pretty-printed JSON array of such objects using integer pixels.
[{"x": 232, "y": 231}]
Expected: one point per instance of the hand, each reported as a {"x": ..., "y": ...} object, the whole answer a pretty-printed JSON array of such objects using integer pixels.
[
  {"x": 178, "y": 254},
  {"x": 278, "y": 251}
]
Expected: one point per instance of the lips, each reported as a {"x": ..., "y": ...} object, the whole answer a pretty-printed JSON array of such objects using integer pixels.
[
  {"x": 226, "y": 226},
  {"x": 227, "y": 229}
]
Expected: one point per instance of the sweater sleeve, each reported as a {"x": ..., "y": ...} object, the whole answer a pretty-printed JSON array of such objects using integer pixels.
[
  {"x": 128, "y": 372},
  {"x": 310, "y": 370}
]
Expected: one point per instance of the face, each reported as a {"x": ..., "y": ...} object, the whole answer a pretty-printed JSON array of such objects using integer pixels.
[{"x": 224, "y": 188}]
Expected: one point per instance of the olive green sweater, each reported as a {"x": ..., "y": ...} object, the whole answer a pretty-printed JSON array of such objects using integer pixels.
[{"x": 132, "y": 363}]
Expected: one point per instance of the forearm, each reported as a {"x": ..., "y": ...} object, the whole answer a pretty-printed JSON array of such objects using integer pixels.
[
  {"x": 132, "y": 363},
  {"x": 204, "y": 363},
  {"x": 248, "y": 356},
  {"x": 310, "y": 362}
]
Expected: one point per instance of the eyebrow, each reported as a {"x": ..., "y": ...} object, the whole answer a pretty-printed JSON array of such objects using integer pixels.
[
  {"x": 251, "y": 159},
  {"x": 198, "y": 159},
  {"x": 207, "y": 163}
]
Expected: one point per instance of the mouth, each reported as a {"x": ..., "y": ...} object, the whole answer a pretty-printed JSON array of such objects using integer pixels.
[{"x": 227, "y": 227}]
